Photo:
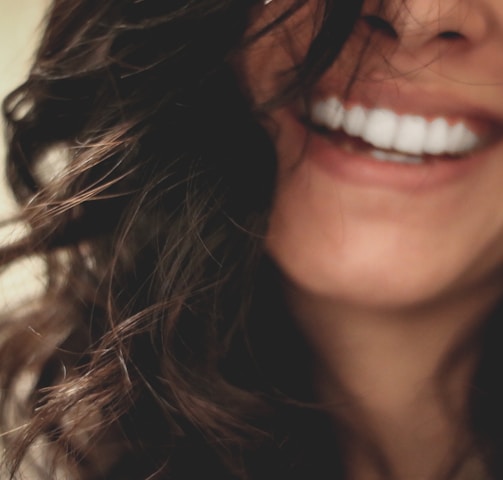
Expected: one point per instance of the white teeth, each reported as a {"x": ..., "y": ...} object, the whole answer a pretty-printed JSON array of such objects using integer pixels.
[
  {"x": 337, "y": 114},
  {"x": 470, "y": 141},
  {"x": 455, "y": 138},
  {"x": 379, "y": 122},
  {"x": 434, "y": 143},
  {"x": 329, "y": 113},
  {"x": 460, "y": 138},
  {"x": 411, "y": 135},
  {"x": 395, "y": 157},
  {"x": 354, "y": 121}
]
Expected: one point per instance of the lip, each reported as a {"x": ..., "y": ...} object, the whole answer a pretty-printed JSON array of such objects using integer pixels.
[
  {"x": 360, "y": 168},
  {"x": 364, "y": 170}
]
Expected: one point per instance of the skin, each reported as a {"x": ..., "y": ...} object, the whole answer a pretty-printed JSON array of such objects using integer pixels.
[{"x": 388, "y": 280}]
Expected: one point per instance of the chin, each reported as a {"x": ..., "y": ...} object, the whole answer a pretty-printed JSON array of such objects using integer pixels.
[
  {"x": 357, "y": 285},
  {"x": 372, "y": 271}
]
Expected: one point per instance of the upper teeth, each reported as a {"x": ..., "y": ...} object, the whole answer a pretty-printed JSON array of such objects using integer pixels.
[{"x": 384, "y": 129}]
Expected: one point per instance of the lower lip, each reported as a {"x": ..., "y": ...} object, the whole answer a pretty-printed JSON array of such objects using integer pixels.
[{"x": 361, "y": 168}]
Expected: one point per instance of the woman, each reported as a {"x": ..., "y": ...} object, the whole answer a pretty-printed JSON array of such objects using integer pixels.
[{"x": 273, "y": 242}]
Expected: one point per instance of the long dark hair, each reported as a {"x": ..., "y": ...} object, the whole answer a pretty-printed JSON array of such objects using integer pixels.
[{"x": 157, "y": 348}]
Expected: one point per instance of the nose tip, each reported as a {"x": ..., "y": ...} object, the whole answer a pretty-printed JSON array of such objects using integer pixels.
[{"x": 417, "y": 23}]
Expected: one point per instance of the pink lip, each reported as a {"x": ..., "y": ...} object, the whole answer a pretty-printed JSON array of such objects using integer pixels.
[
  {"x": 365, "y": 170},
  {"x": 361, "y": 169}
]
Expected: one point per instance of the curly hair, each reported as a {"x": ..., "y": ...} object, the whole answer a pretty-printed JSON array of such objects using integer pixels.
[{"x": 160, "y": 347}]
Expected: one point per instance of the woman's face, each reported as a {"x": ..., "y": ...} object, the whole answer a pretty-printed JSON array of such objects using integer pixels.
[{"x": 402, "y": 204}]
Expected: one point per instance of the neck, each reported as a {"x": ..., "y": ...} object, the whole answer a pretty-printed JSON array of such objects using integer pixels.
[{"x": 397, "y": 379}]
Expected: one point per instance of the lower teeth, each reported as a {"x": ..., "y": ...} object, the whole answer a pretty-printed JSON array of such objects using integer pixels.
[
  {"x": 359, "y": 146},
  {"x": 396, "y": 157}
]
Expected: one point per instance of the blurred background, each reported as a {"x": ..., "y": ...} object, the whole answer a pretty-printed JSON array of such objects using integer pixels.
[
  {"x": 20, "y": 28},
  {"x": 20, "y": 22}
]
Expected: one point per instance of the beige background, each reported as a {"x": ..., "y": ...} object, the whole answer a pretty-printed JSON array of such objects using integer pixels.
[{"x": 20, "y": 22}]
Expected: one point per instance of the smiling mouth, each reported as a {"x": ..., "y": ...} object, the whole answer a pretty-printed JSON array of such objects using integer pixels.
[{"x": 388, "y": 136}]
